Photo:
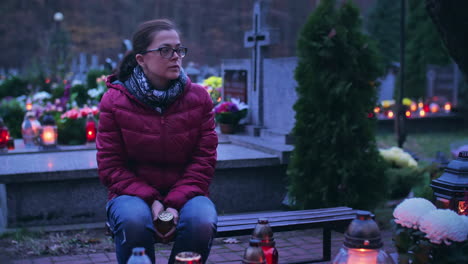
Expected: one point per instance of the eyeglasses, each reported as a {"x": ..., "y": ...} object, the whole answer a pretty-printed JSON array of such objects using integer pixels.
[{"x": 168, "y": 52}]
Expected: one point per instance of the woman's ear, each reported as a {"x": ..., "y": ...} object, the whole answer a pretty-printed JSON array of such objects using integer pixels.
[{"x": 140, "y": 59}]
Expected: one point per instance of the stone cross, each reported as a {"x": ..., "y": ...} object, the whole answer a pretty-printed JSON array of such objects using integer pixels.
[
  {"x": 74, "y": 67},
  {"x": 258, "y": 39},
  {"x": 94, "y": 62},
  {"x": 82, "y": 66}
]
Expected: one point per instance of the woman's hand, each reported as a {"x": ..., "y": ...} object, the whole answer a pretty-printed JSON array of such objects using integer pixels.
[
  {"x": 164, "y": 227},
  {"x": 156, "y": 208},
  {"x": 175, "y": 213}
]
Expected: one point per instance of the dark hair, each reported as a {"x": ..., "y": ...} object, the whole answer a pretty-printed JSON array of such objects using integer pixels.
[{"x": 142, "y": 38}]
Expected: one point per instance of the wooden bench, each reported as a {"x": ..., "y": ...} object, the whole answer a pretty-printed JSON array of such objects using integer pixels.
[{"x": 336, "y": 218}]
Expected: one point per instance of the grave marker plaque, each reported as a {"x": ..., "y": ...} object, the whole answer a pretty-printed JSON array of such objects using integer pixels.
[
  {"x": 442, "y": 82},
  {"x": 235, "y": 85}
]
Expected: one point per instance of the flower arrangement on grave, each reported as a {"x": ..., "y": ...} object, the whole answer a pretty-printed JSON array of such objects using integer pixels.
[
  {"x": 213, "y": 86},
  {"x": 71, "y": 125},
  {"x": 424, "y": 234},
  {"x": 12, "y": 111},
  {"x": 50, "y": 108},
  {"x": 97, "y": 93},
  {"x": 230, "y": 112},
  {"x": 403, "y": 174},
  {"x": 398, "y": 157}
]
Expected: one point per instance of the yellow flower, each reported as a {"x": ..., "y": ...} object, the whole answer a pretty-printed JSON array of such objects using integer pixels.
[
  {"x": 388, "y": 103},
  {"x": 406, "y": 101},
  {"x": 213, "y": 81}
]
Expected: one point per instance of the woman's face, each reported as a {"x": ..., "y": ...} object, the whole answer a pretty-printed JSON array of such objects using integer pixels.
[{"x": 160, "y": 70}]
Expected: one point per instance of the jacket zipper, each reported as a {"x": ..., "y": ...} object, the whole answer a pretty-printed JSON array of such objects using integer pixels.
[{"x": 163, "y": 147}]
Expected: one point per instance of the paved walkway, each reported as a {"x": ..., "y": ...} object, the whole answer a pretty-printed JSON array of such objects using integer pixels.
[{"x": 292, "y": 246}]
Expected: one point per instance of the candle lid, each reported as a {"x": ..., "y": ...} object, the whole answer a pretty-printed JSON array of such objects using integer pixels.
[{"x": 165, "y": 216}]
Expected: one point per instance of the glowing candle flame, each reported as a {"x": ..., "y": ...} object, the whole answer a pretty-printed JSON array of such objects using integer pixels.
[
  {"x": 361, "y": 255},
  {"x": 48, "y": 136},
  {"x": 390, "y": 114},
  {"x": 447, "y": 107},
  {"x": 90, "y": 131}
]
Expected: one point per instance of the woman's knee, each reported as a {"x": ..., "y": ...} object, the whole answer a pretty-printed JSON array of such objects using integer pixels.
[
  {"x": 135, "y": 227},
  {"x": 130, "y": 213},
  {"x": 200, "y": 212},
  {"x": 134, "y": 223}
]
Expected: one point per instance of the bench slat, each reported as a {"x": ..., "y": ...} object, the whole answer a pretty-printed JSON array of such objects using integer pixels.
[
  {"x": 284, "y": 217},
  {"x": 279, "y": 225},
  {"x": 276, "y": 214}
]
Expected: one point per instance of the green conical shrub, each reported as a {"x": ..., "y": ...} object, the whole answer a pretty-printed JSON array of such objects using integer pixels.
[{"x": 335, "y": 161}]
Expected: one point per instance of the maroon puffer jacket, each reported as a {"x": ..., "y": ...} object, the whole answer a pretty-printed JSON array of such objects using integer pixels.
[{"x": 169, "y": 157}]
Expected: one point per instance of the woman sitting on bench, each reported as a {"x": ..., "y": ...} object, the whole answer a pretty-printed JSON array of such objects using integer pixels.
[{"x": 157, "y": 147}]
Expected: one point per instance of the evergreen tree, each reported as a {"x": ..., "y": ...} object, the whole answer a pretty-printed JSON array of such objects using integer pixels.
[
  {"x": 335, "y": 160},
  {"x": 383, "y": 25},
  {"x": 449, "y": 17},
  {"x": 424, "y": 46}
]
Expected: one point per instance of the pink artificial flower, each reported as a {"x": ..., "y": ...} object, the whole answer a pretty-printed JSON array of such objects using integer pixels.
[
  {"x": 226, "y": 107},
  {"x": 76, "y": 113}
]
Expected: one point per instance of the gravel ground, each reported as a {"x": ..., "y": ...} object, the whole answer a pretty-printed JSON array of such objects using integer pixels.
[{"x": 23, "y": 244}]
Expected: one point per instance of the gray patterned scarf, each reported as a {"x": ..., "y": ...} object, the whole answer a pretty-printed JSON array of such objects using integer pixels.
[{"x": 141, "y": 88}]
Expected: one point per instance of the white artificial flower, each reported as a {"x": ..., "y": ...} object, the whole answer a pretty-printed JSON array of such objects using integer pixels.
[
  {"x": 465, "y": 220},
  {"x": 41, "y": 96},
  {"x": 444, "y": 225},
  {"x": 408, "y": 212},
  {"x": 76, "y": 82},
  {"x": 93, "y": 93},
  {"x": 240, "y": 105},
  {"x": 398, "y": 156},
  {"x": 21, "y": 98},
  {"x": 412, "y": 163}
]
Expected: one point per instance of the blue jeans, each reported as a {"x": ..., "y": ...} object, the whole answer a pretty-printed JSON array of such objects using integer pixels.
[{"x": 131, "y": 221}]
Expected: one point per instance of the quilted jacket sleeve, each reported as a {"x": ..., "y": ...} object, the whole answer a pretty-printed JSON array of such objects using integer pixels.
[
  {"x": 199, "y": 172},
  {"x": 112, "y": 156}
]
